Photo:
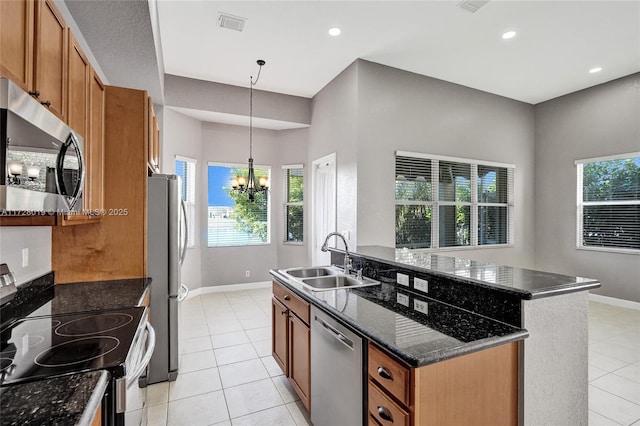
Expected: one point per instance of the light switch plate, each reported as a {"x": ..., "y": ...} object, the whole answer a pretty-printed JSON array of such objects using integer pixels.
[
  {"x": 420, "y": 306},
  {"x": 25, "y": 257},
  {"x": 402, "y": 279},
  {"x": 421, "y": 285},
  {"x": 403, "y": 299}
]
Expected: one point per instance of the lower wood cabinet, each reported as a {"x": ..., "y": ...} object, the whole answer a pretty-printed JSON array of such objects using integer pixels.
[
  {"x": 480, "y": 388},
  {"x": 291, "y": 339}
]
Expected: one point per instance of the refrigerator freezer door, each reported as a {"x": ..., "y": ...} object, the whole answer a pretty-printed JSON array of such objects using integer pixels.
[{"x": 175, "y": 214}]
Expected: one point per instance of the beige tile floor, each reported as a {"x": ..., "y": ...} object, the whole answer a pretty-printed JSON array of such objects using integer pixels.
[{"x": 228, "y": 377}]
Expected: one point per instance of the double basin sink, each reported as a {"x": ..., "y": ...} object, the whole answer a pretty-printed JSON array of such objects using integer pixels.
[{"x": 323, "y": 278}]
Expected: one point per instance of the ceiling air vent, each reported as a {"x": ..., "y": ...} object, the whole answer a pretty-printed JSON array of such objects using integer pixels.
[
  {"x": 230, "y": 21},
  {"x": 472, "y": 5}
]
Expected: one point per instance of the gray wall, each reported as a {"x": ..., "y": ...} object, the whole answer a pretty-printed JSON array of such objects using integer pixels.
[
  {"x": 334, "y": 124},
  {"x": 182, "y": 135},
  {"x": 599, "y": 121},
  {"x": 37, "y": 239},
  {"x": 230, "y": 144},
  {"x": 370, "y": 111}
]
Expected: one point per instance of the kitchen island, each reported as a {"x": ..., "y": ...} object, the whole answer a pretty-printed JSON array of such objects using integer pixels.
[{"x": 472, "y": 307}]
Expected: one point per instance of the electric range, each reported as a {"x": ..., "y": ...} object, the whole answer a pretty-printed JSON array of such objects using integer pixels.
[{"x": 39, "y": 347}]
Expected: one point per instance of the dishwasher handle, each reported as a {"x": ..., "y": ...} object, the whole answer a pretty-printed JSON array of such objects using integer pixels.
[{"x": 335, "y": 333}]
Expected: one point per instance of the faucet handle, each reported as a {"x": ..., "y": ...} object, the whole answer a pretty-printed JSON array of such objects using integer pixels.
[{"x": 359, "y": 274}]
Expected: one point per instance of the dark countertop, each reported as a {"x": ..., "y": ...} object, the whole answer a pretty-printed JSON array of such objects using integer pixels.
[
  {"x": 530, "y": 283},
  {"x": 98, "y": 295},
  {"x": 416, "y": 338},
  {"x": 65, "y": 400}
]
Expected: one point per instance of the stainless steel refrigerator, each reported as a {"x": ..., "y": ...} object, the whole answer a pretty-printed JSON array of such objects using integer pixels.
[{"x": 166, "y": 248}]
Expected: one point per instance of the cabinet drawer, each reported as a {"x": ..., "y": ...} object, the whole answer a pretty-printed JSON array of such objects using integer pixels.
[
  {"x": 389, "y": 373},
  {"x": 384, "y": 410},
  {"x": 372, "y": 421},
  {"x": 291, "y": 301}
]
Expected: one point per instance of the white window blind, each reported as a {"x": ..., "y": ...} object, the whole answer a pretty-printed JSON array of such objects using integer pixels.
[
  {"x": 186, "y": 169},
  {"x": 294, "y": 203},
  {"x": 608, "y": 203},
  {"x": 472, "y": 206},
  {"x": 232, "y": 219}
]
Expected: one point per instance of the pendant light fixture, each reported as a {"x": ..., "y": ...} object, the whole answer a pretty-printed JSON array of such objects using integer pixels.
[{"x": 247, "y": 184}]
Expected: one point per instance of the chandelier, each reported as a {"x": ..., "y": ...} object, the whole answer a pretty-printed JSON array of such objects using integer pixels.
[{"x": 248, "y": 184}]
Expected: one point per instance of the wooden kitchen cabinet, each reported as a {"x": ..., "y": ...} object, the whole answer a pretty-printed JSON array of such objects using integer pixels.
[
  {"x": 50, "y": 58},
  {"x": 116, "y": 246},
  {"x": 34, "y": 51},
  {"x": 86, "y": 116},
  {"x": 17, "y": 21},
  {"x": 291, "y": 339},
  {"x": 478, "y": 388},
  {"x": 153, "y": 153}
]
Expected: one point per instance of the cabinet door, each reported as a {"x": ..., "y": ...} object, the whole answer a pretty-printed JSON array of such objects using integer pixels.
[
  {"x": 50, "y": 65},
  {"x": 299, "y": 359},
  {"x": 280, "y": 334},
  {"x": 16, "y": 39},
  {"x": 78, "y": 75},
  {"x": 95, "y": 147},
  {"x": 151, "y": 130}
]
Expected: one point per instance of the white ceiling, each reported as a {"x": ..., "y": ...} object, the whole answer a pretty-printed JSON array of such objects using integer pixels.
[{"x": 557, "y": 42}]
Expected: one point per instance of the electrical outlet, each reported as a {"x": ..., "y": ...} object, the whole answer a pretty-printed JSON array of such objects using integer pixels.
[
  {"x": 25, "y": 257},
  {"x": 420, "y": 306},
  {"x": 421, "y": 285},
  {"x": 346, "y": 234},
  {"x": 403, "y": 299},
  {"x": 247, "y": 274},
  {"x": 402, "y": 279}
]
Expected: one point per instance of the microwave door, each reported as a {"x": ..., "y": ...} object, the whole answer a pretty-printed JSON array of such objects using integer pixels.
[{"x": 69, "y": 177}]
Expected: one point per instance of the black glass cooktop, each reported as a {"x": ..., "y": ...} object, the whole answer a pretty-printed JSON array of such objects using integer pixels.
[{"x": 46, "y": 346}]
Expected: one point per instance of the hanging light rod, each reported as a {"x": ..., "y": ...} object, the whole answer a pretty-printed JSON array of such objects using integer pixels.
[{"x": 247, "y": 184}]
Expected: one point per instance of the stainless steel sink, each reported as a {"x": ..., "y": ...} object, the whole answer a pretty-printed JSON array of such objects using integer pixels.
[
  {"x": 320, "y": 271},
  {"x": 323, "y": 278}
]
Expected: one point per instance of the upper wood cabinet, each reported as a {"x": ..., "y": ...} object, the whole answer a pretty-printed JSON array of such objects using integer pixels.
[
  {"x": 50, "y": 62},
  {"x": 153, "y": 149},
  {"x": 94, "y": 185},
  {"x": 17, "y": 20},
  {"x": 34, "y": 50}
]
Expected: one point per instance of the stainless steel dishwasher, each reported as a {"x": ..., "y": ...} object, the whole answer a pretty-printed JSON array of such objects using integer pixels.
[{"x": 336, "y": 373}]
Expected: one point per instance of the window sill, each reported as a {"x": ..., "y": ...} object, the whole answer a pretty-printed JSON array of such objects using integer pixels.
[
  {"x": 293, "y": 243},
  {"x": 609, "y": 250},
  {"x": 463, "y": 248}
]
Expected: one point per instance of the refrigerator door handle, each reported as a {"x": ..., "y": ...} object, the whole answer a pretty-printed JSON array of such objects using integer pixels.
[
  {"x": 184, "y": 292},
  {"x": 185, "y": 237}
]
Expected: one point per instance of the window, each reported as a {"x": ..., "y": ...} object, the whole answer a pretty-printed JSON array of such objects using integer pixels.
[
  {"x": 186, "y": 169},
  {"x": 608, "y": 196},
  {"x": 452, "y": 202},
  {"x": 293, "y": 203},
  {"x": 232, "y": 219}
]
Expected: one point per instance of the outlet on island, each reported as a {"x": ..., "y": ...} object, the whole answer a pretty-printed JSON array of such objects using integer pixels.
[
  {"x": 402, "y": 279},
  {"x": 421, "y": 285}
]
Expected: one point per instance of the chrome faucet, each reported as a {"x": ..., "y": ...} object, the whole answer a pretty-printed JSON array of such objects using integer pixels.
[{"x": 347, "y": 259}]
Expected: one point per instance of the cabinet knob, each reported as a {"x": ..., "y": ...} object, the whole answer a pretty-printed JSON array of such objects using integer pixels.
[
  {"x": 384, "y": 373},
  {"x": 283, "y": 313},
  {"x": 46, "y": 103},
  {"x": 385, "y": 414},
  {"x": 286, "y": 297},
  {"x": 35, "y": 94}
]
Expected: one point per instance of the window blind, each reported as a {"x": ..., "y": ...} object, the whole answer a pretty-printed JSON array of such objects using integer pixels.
[
  {"x": 473, "y": 204},
  {"x": 609, "y": 203},
  {"x": 186, "y": 169},
  {"x": 294, "y": 203}
]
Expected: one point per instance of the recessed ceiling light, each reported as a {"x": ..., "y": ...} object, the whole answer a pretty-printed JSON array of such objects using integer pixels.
[
  {"x": 508, "y": 35},
  {"x": 334, "y": 31},
  {"x": 595, "y": 70}
]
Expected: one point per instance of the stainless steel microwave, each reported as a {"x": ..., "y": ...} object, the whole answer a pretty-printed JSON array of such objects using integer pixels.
[{"x": 42, "y": 158}]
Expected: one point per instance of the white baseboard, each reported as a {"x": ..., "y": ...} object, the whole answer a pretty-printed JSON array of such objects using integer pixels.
[
  {"x": 621, "y": 303},
  {"x": 226, "y": 288}
]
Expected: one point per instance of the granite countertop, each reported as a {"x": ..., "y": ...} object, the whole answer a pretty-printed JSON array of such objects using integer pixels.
[
  {"x": 530, "y": 283},
  {"x": 98, "y": 295},
  {"x": 414, "y": 337},
  {"x": 65, "y": 400}
]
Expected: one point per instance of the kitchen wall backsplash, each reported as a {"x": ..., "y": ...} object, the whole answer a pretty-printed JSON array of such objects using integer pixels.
[{"x": 500, "y": 305}]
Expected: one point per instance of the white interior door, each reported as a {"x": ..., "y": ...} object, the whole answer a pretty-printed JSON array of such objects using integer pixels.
[{"x": 324, "y": 206}]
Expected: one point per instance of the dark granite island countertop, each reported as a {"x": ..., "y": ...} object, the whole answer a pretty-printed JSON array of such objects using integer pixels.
[
  {"x": 400, "y": 325},
  {"x": 65, "y": 400},
  {"x": 531, "y": 284}
]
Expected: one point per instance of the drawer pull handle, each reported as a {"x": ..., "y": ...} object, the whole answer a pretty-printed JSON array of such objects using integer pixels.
[
  {"x": 385, "y": 414},
  {"x": 283, "y": 313},
  {"x": 35, "y": 94},
  {"x": 286, "y": 297},
  {"x": 47, "y": 103},
  {"x": 384, "y": 373}
]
